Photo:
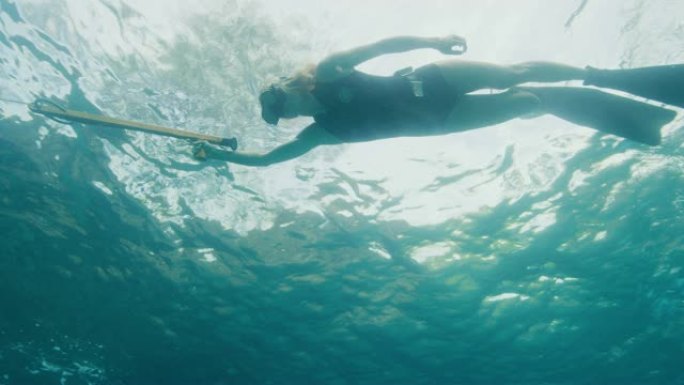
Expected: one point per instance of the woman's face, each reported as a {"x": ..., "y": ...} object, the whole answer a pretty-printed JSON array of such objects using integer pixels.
[
  {"x": 279, "y": 102},
  {"x": 292, "y": 105}
]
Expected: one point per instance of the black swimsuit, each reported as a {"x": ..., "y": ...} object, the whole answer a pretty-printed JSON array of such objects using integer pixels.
[{"x": 361, "y": 107}]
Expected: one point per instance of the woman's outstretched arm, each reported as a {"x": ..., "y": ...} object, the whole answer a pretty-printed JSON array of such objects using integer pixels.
[
  {"x": 345, "y": 61},
  {"x": 310, "y": 138}
]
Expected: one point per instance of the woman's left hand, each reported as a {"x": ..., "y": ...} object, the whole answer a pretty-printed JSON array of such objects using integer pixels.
[{"x": 451, "y": 45}]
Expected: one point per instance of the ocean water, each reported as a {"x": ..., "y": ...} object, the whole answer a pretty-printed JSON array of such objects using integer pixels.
[{"x": 532, "y": 252}]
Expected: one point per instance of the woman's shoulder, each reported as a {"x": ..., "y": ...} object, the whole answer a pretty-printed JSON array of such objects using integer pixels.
[{"x": 330, "y": 70}]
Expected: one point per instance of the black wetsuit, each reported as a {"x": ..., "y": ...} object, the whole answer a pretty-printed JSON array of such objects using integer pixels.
[{"x": 362, "y": 107}]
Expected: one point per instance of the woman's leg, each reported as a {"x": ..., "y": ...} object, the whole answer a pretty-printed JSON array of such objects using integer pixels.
[
  {"x": 465, "y": 76},
  {"x": 664, "y": 83},
  {"x": 609, "y": 113},
  {"x": 605, "y": 112},
  {"x": 477, "y": 111}
]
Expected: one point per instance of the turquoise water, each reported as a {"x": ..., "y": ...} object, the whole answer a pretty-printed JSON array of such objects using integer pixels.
[{"x": 534, "y": 252}]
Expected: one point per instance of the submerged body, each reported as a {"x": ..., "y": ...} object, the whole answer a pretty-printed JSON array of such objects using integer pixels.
[
  {"x": 351, "y": 106},
  {"x": 361, "y": 107}
]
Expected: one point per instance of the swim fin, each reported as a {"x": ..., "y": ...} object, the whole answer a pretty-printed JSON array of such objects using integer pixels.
[
  {"x": 661, "y": 83},
  {"x": 613, "y": 114}
]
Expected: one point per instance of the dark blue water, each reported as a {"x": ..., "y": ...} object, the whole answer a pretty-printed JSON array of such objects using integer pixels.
[{"x": 557, "y": 260}]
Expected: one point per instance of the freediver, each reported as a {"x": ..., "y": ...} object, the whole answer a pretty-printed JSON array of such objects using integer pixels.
[{"x": 437, "y": 99}]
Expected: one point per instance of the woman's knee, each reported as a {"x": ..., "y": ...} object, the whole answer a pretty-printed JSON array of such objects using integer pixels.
[
  {"x": 524, "y": 100},
  {"x": 472, "y": 76},
  {"x": 474, "y": 111},
  {"x": 523, "y": 72},
  {"x": 540, "y": 71},
  {"x": 526, "y": 104}
]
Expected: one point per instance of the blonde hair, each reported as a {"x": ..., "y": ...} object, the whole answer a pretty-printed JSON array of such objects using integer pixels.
[{"x": 303, "y": 81}]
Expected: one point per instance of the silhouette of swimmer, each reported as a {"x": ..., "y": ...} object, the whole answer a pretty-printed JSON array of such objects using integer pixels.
[{"x": 351, "y": 106}]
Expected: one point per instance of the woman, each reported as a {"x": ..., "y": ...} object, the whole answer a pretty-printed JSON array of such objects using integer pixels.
[{"x": 350, "y": 106}]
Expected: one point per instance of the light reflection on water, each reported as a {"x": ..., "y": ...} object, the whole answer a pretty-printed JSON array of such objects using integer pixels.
[{"x": 533, "y": 244}]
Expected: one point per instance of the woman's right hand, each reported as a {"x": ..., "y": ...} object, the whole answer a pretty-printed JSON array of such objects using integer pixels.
[
  {"x": 202, "y": 150},
  {"x": 451, "y": 45}
]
